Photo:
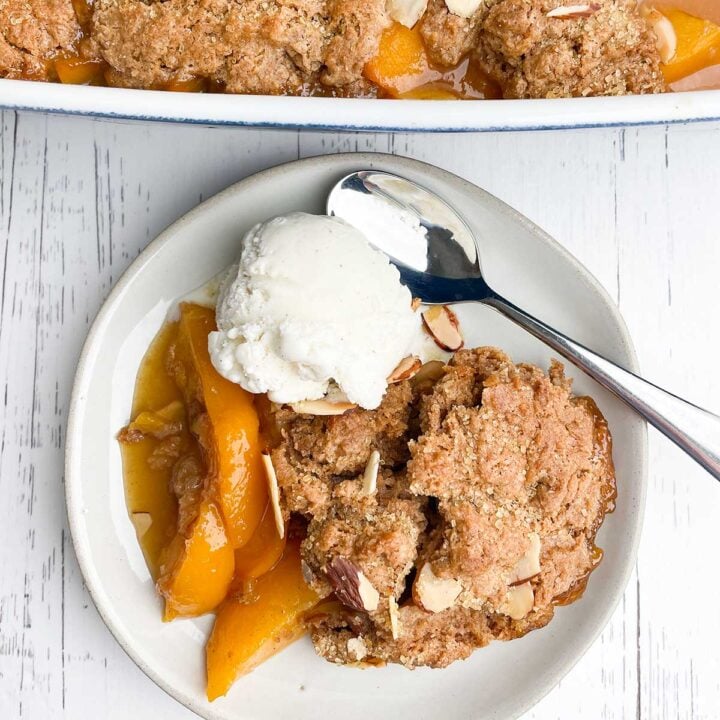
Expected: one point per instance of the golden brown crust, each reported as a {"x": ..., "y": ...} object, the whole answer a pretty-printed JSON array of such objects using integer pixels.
[
  {"x": 379, "y": 537},
  {"x": 343, "y": 443},
  {"x": 355, "y": 29},
  {"x": 529, "y": 459},
  {"x": 317, "y": 452},
  {"x": 425, "y": 639},
  {"x": 32, "y": 32},
  {"x": 249, "y": 46},
  {"x": 491, "y": 461},
  {"x": 322, "y": 46},
  {"x": 531, "y": 55},
  {"x": 449, "y": 37}
]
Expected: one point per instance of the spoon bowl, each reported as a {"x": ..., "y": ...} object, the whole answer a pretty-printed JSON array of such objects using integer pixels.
[
  {"x": 414, "y": 227},
  {"x": 429, "y": 242}
]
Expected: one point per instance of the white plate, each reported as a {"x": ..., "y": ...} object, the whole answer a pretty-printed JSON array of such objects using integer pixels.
[
  {"x": 357, "y": 114},
  {"x": 500, "y": 681}
]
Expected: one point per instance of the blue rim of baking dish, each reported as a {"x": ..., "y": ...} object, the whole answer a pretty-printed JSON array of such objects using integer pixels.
[{"x": 360, "y": 115}]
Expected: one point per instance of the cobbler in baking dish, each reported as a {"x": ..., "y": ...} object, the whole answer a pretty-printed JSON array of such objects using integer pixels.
[{"x": 434, "y": 49}]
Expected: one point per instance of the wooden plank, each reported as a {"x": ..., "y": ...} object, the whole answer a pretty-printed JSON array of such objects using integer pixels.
[
  {"x": 670, "y": 259},
  {"x": 79, "y": 199}
]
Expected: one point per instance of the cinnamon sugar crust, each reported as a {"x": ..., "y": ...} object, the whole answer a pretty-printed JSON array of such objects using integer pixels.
[
  {"x": 474, "y": 470},
  {"x": 248, "y": 46},
  {"x": 317, "y": 453},
  {"x": 612, "y": 51},
  {"x": 449, "y": 37},
  {"x": 379, "y": 534},
  {"x": 32, "y": 32},
  {"x": 322, "y": 46}
]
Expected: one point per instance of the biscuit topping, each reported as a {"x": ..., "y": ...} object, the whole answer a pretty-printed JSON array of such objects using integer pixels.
[{"x": 492, "y": 480}]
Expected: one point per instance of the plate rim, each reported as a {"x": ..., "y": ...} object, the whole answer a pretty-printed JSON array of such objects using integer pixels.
[{"x": 73, "y": 441}]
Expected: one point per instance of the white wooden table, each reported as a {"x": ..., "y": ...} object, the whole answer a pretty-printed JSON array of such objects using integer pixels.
[{"x": 80, "y": 198}]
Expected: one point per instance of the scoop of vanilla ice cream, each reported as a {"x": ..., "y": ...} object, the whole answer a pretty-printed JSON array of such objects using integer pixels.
[{"x": 312, "y": 302}]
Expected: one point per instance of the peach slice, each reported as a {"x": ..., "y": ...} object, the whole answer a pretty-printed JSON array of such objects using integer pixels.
[
  {"x": 262, "y": 552},
  {"x": 76, "y": 71},
  {"x": 431, "y": 91},
  {"x": 401, "y": 63},
  {"x": 193, "y": 85},
  {"x": 698, "y": 44},
  {"x": 196, "y": 571},
  {"x": 235, "y": 452},
  {"x": 148, "y": 489},
  {"x": 402, "y": 69},
  {"x": 246, "y": 634},
  {"x": 706, "y": 9}
]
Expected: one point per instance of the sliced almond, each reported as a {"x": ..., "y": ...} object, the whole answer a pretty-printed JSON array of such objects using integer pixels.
[
  {"x": 369, "y": 595},
  {"x": 274, "y": 493},
  {"x": 142, "y": 522},
  {"x": 429, "y": 373},
  {"x": 463, "y": 8},
  {"x": 519, "y": 601},
  {"x": 433, "y": 593},
  {"x": 405, "y": 370},
  {"x": 443, "y": 325},
  {"x": 665, "y": 36},
  {"x": 572, "y": 12},
  {"x": 371, "y": 473},
  {"x": 335, "y": 394},
  {"x": 394, "y": 618},
  {"x": 406, "y": 12},
  {"x": 351, "y": 586},
  {"x": 322, "y": 407},
  {"x": 357, "y": 648},
  {"x": 307, "y": 573},
  {"x": 528, "y": 566}
]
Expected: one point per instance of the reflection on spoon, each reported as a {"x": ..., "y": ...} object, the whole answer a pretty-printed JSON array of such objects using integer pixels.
[{"x": 419, "y": 230}]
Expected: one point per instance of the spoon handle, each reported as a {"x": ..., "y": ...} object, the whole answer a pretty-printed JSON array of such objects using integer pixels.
[{"x": 695, "y": 430}]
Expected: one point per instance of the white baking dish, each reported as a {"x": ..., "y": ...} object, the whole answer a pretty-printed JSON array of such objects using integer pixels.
[{"x": 354, "y": 114}]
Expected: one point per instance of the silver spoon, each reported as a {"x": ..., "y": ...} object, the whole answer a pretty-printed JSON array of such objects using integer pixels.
[{"x": 438, "y": 259}]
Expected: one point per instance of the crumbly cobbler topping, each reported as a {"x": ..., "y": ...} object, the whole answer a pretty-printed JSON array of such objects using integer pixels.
[
  {"x": 323, "y": 46},
  {"x": 479, "y": 518}
]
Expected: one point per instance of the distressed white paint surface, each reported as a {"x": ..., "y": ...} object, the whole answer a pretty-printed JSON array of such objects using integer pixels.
[{"x": 80, "y": 198}]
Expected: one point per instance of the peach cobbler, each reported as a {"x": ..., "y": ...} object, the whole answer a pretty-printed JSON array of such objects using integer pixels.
[
  {"x": 325, "y": 456},
  {"x": 437, "y": 49}
]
